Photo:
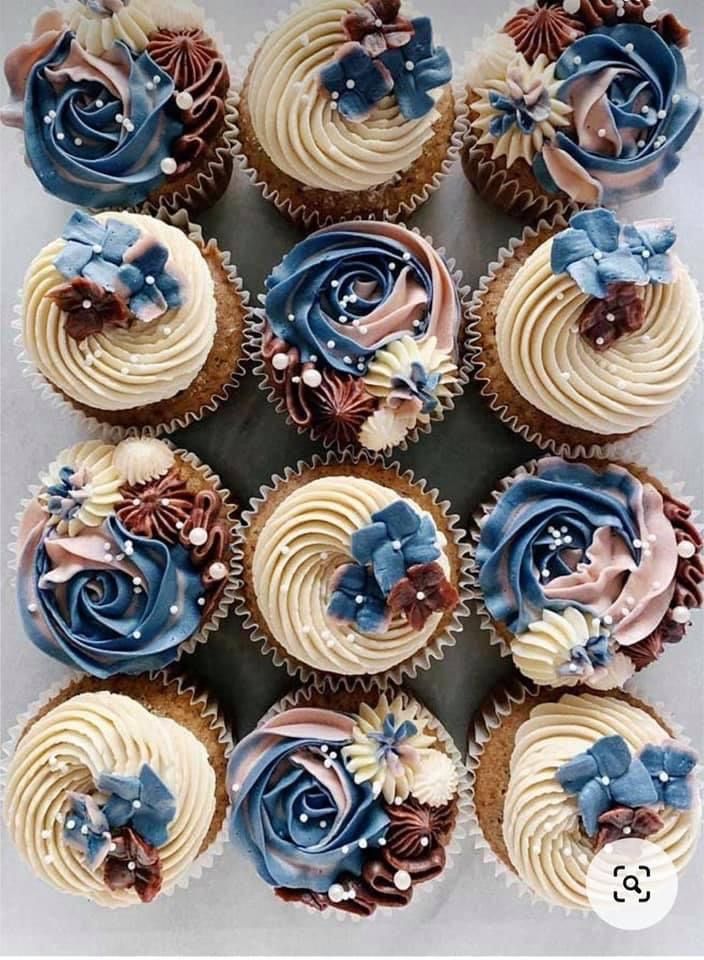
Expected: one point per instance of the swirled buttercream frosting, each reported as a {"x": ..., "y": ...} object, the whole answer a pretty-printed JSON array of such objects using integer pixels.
[
  {"x": 99, "y": 775},
  {"x": 580, "y": 565},
  {"x": 335, "y": 116},
  {"x": 367, "y": 302},
  {"x": 543, "y": 829},
  {"x": 167, "y": 291},
  {"x": 349, "y": 577},
  {"x": 324, "y": 803},
  {"x": 121, "y": 555}
]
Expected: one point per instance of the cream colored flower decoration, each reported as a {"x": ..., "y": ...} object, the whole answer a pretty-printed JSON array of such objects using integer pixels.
[
  {"x": 140, "y": 459},
  {"x": 384, "y": 429},
  {"x": 82, "y": 487},
  {"x": 435, "y": 780},
  {"x": 399, "y": 360},
  {"x": 97, "y": 27}
]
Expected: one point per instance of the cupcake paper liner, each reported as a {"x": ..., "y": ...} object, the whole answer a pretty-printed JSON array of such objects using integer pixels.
[
  {"x": 310, "y": 218},
  {"x": 332, "y": 685},
  {"x": 112, "y": 432},
  {"x": 623, "y": 447},
  {"x": 486, "y": 621},
  {"x": 497, "y": 185},
  {"x": 498, "y": 706},
  {"x": 232, "y": 585},
  {"x": 464, "y": 361},
  {"x": 422, "y": 659},
  {"x": 182, "y": 687}
]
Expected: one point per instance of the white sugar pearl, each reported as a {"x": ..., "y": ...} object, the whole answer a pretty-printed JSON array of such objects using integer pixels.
[
  {"x": 363, "y": 843},
  {"x": 680, "y": 615},
  {"x": 131, "y": 865},
  {"x": 424, "y": 841},
  {"x": 168, "y": 166},
  {"x": 686, "y": 549},
  {"x": 46, "y": 834},
  {"x": 137, "y": 634},
  {"x": 119, "y": 117},
  {"x": 330, "y": 344},
  {"x": 312, "y": 378},
  {"x": 350, "y": 84},
  {"x": 627, "y": 830},
  {"x": 605, "y": 781},
  {"x": 402, "y": 880},
  {"x": 198, "y": 536},
  {"x": 70, "y": 824},
  {"x": 571, "y": 6},
  {"x": 602, "y": 132},
  {"x": 323, "y": 824},
  {"x": 650, "y": 14},
  {"x": 84, "y": 830},
  {"x": 662, "y": 114},
  {"x": 173, "y": 609},
  {"x": 279, "y": 361},
  {"x": 303, "y": 818},
  {"x": 410, "y": 65},
  {"x": 218, "y": 571},
  {"x": 396, "y": 544},
  {"x": 336, "y": 893},
  {"x": 184, "y": 100},
  {"x": 420, "y": 595},
  {"x": 663, "y": 776},
  {"x": 60, "y": 136},
  {"x": 137, "y": 804},
  {"x": 359, "y": 599},
  {"x": 149, "y": 280},
  {"x": 201, "y": 601}
]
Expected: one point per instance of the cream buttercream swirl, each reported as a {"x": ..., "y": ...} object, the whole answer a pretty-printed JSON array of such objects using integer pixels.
[
  {"x": 545, "y": 844},
  {"x": 302, "y": 545},
  {"x": 295, "y": 123},
  {"x": 122, "y": 368},
  {"x": 132, "y": 22},
  {"x": 639, "y": 378},
  {"x": 66, "y": 750}
]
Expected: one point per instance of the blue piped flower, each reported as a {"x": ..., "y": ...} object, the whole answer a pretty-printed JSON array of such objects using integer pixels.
[
  {"x": 650, "y": 241},
  {"x": 355, "y": 81},
  {"x": 417, "y": 68},
  {"x": 524, "y": 111},
  {"x": 357, "y": 599},
  {"x": 150, "y": 289},
  {"x": 420, "y": 385},
  {"x": 670, "y": 767},
  {"x": 93, "y": 249},
  {"x": 86, "y": 829},
  {"x": 397, "y": 538},
  {"x": 595, "y": 653},
  {"x": 592, "y": 252},
  {"x": 65, "y": 498},
  {"x": 392, "y": 736},
  {"x": 144, "y": 803},
  {"x": 604, "y": 776}
]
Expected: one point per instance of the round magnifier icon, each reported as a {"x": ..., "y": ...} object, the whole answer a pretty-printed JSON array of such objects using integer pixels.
[{"x": 631, "y": 883}]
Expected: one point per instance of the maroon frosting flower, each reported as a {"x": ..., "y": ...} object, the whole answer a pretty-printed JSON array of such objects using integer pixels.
[
  {"x": 604, "y": 321},
  {"x": 133, "y": 863},
  {"x": 621, "y": 823},
  {"x": 156, "y": 508},
  {"x": 378, "y": 26},
  {"x": 89, "y": 307},
  {"x": 423, "y": 591},
  {"x": 340, "y": 407}
]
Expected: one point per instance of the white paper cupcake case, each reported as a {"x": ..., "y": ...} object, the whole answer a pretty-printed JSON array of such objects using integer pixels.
[
  {"x": 332, "y": 685},
  {"x": 485, "y": 509},
  {"x": 464, "y": 362},
  {"x": 488, "y": 719},
  {"x": 624, "y": 448},
  {"x": 422, "y": 659},
  {"x": 499, "y": 182},
  {"x": 114, "y": 433},
  {"x": 310, "y": 219},
  {"x": 208, "y": 708},
  {"x": 232, "y": 584}
]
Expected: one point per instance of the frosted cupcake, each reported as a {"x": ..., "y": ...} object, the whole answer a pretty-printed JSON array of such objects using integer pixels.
[
  {"x": 559, "y": 778},
  {"x": 587, "y": 334},
  {"x": 347, "y": 110},
  {"x": 124, "y": 103},
  {"x": 587, "y": 571},
  {"x": 125, "y": 556},
  {"x": 578, "y": 102},
  {"x": 117, "y": 793},
  {"x": 359, "y": 340},
  {"x": 134, "y": 322},
  {"x": 329, "y": 820},
  {"x": 351, "y": 569}
]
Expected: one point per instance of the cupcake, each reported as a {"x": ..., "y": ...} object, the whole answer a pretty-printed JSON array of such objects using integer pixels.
[
  {"x": 586, "y": 571},
  {"x": 332, "y": 822},
  {"x": 125, "y": 556},
  {"x": 351, "y": 568},
  {"x": 116, "y": 792},
  {"x": 587, "y": 333},
  {"x": 134, "y": 322},
  {"x": 359, "y": 340},
  {"x": 578, "y": 103},
  {"x": 558, "y": 777},
  {"x": 346, "y": 110},
  {"x": 124, "y": 103}
]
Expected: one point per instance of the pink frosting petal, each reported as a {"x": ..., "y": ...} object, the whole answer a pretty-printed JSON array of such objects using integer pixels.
[{"x": 571, "y": 177}]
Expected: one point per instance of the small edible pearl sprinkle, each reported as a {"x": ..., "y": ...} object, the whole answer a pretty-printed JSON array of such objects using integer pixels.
[
  {"x": 119, "y": 117},
  {"x": 131, "y": 865},
  {"x": 420, "y": 595},
  {"x": 611, "y": 317},
  {"x": 363, "y": 844},
  {"x": 396, "y": 544},
  {"x": 359, "y": 599},
  {"x": 201, "y": 601},
  {"x": 663, "y": 777},
  {"x": 137, "y": 634},
  {"x": 129, "y": 126},
  {"x": 99, "y": 104},
  {"x": 662, "y": 114},
  {"x": 335, "y": 95},
  {"x": 303, "y": 818},
  {"x": 149, "y": 85},
  {"x": 605, "y": 781},
  {"x": 350, "y": 84},
  {"x": 173, "y": 609},
  {"x": 650, "y": 14},
  {"x": 602, "y": 132},
  {"x": 46, "y": 834},
  {"x": 184, "y": 100},
  {"x": 645, "y": 110},
  {"x": 545, "y": 573},
  {"x": 336, "y": 893},
  {"x": 571, "y": 6},
  {"x": 680, "y": 615},
  {"x": 637, "y": 543},
  {"x": 280, "y": 361},
  {"x": 627, "y": 830},
  {"x": 70, "y": 824},
  {"x": 600, "y": 341},
  {"x": 312, "y": 378},
  {"x": 364, "y": 330},
  {"x": 136, "y": 804},
  {"x": 218, "y": 571},
  {"x": 410, "y": 65},
  {"x": 577, "y": 60},
  {"x": 32, "y": 607},
  {"x": 676, "y": 97},
  {"x": 157, "y": 79},
  {"x": 641, "y": 144},
  {"x": 60, "y": 136},
  {"x": 84, "y": 830},
  {"x": 149, "y": 280},
  {"x": 598, "y": 255},
  {"x": 47, "y": 119},
  {"x": 608, "y": 619},
  {"x": 330, "y": 344},
  {"x": 198, "y": 536},
  {"x": 323, "y": 824},
  {"x": 168, "y": 166},
  {"x": 686, "y": 549},
  {"x": 402, "y": 880}
]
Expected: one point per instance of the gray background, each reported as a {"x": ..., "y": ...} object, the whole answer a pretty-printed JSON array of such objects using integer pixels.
[{"x": 229, "y": 910}]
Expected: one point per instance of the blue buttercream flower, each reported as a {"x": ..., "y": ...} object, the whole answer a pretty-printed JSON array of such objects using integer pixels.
[
  {"x": 595, "y": 653},
  {"x": 355, "y": 81},
  {"x": 149, "y": 289},
  {"x": 524, "y": 110},
  {"x": 670, "y": 767},
  {"x": 143, "y": 803},
  {"x": 392, "y": 736},
  {"x": 592, "y": 252},
  {"x": 417, "y": 68},
  {"x": 357, "y": 599},
  {"x": 65, "y": 498},
  {"x": 420, "y": 386},
  {"x": 86, "y": 828},
  {"x": 397, "y": 538},
  {"x": 93, "y": 249},
  {"x": 650, "y": 240},
  {"x": 603, "y": 776}
]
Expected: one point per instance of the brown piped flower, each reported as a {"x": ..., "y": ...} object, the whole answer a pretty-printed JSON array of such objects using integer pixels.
[
  {"x": 415, "y": 828},
  {"x": 340, "y": 406},
  {"x": 603, "y": 322},
  {"x": 543, "y": 30},
  {"x": 422, "y": 592},
  {"x": 89, "y": 307},
  {"x": 647, "y": 651},
  {"x": 133, "y": 863},
  {"x": 184, "y": 54},
  {"x": 154, "y": 509},
  {"x": 378, "y": 26},
  {"x": 621, "y": 823}
]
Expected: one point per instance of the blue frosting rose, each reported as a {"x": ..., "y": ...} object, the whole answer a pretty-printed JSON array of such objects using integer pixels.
[
  {"x": 122, "y": 616},
  {"x": 633, "y": 114},
  {"x": 97, "y": 131},
  {"x": 297, "y": 811}
]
